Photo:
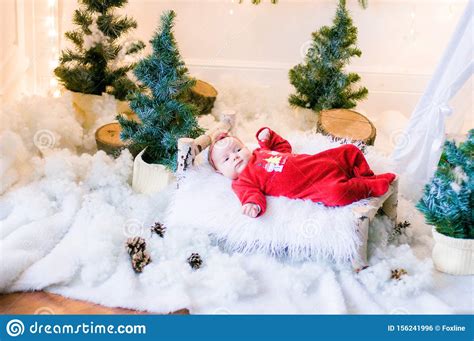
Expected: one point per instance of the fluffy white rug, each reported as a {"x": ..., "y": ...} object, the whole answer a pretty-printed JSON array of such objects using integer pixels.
[
  {"x": 298, "y": 229},
  {"x": 64, "y": 219}
]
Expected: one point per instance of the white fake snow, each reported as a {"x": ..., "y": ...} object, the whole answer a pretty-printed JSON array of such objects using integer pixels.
[{"x": 65, "y": 213}]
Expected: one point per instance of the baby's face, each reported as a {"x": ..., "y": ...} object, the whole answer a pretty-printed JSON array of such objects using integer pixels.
[{"x": 230, "y": 157}]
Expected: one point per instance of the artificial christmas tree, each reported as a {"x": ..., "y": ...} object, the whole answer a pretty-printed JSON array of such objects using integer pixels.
[
  {"x": 320, "y": 81},
  {"x": 100, "y": 58},
  {"x": 164, "y": 116},
  {"x": 448, "y": 199},
  {"x": 97, "y": 62},
  {"x": 447, "y": 203},
  {"x": 363, "y": 3}
]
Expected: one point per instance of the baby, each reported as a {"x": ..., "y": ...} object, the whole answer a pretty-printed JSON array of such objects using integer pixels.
[{"x": 335, "y": 177}]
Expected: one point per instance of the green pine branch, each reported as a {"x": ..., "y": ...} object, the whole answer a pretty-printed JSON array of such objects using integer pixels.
[
  {"x": 83, "y": 18},
  {"x": 76, "y": 38},
  {"x": 113, "y": 27}
]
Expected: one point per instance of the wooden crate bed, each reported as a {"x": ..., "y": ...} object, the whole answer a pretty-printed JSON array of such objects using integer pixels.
[{"x": 189, "y": 148}]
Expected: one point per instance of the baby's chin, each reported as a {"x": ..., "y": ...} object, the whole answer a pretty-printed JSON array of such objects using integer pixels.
[{"x": 241, "y": 167}]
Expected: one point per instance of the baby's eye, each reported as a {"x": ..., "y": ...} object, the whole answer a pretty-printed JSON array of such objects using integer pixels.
[
  {"x": 239, "y": 149},
  {"x": 226, "y": 159}
]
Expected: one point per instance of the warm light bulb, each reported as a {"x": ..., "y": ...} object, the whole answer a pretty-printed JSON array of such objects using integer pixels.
[
  {"x": 53, "y": 82},
  {"x": 450, "y": 10},
  {"x": 53, "y": 64},
  {"x": 50, "y": 21},
  {"x": 56, "y": 93}
]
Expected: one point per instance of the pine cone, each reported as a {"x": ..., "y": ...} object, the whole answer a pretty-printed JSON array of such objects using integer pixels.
[
  {"x": 135, "y": 244},
  {"x": 140, "y": 260},
  {"x": 401, "y": 227},
  {"x": 398, "y": 273},
  {"x": 159, "y": 229},
  {"x": 398, "y": 230},
  {"x": 195, "y": 261},
  {"x": 136, "y": 250}
]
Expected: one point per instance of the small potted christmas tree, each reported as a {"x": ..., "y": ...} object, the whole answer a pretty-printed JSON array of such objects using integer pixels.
[
  {"x": 448, "y": 203},
  {"x": 321, "y": 82},
  {"x": 164, "y": 116},
  {"x": 100, "y": 58}
]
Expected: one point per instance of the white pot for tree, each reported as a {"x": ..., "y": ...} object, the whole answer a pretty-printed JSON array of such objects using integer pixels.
[
  {"x": 86, "y": 107},
  {"x": 454, "y": 256},
  {"x": 149, "y": 178},
  {"x": 90, "y": 107}
]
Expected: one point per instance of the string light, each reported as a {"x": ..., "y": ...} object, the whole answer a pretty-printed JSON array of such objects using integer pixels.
[
  {"x": 450, "y": 10},
  {"x": 53, "y": 34},
  {"x": 53, "y": 64},
  {"x": 50, "y": 21}
]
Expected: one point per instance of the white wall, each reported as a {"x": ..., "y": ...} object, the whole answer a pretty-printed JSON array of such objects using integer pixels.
[{"x": 401, "y": 42}]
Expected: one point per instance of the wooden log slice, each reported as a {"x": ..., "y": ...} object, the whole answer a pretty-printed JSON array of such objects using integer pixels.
[
  {"x": 346, "y": 124},
  {"x": 123, "y": 108},
  {"x": 108, "y": 139},
  {"x": 203, "y": 95}
]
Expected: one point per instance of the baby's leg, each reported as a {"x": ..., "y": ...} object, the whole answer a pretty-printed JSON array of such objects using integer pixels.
[
  {"x": 355, "y": 189},
  {"x": 361, "y": 167},
  {"x": 387, "y": 176},
  {"x": 353, "y": 160}
]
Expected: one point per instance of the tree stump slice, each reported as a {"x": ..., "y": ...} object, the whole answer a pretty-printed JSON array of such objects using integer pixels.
[
  {"x": 203, "y": 95},
  {"x": 346, "y": 124},
  {"x": 108, "y": 139},
  {"x": 123, "y": 108}
]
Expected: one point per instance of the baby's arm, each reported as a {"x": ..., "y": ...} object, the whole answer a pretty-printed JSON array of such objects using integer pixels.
[
  {"x": 252, "y": 198},
  {"x": 267, "y": 138}
]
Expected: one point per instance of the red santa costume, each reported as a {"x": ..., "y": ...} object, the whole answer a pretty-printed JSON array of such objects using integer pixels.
[{"x": 335, "y": 177}]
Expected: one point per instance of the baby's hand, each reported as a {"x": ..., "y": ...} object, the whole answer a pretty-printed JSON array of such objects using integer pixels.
[
  {"x": 251, "y": 210},
  {"x": 264, "y": 134}
]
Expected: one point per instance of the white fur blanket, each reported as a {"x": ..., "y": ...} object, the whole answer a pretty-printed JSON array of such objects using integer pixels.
[{"x": 64, "y": 222}]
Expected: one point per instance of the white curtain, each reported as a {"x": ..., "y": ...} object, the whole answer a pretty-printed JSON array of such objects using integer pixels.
[{"x": 418, "y": 153}]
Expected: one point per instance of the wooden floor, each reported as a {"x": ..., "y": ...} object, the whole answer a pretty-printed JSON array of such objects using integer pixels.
[{"x": 40, "y": 302}]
